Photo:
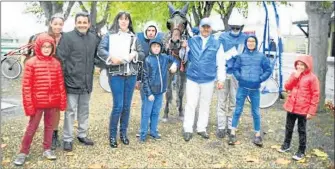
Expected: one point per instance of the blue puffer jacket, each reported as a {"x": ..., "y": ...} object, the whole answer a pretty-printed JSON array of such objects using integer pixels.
[
  {"x": 201, "y": 64},
  {"x": 156, "y": 70},
  {"x": 251, "y": 68}
]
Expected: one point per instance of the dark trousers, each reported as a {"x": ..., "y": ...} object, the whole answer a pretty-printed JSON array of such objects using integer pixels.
[{"x": 290, "y": 121}]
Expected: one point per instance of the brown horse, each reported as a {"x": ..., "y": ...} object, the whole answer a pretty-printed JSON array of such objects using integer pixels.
[{"x": 177, "y": 24}]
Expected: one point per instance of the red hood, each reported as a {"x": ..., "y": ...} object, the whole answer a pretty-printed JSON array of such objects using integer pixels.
[
  {"x": 39, "y": 42},
  {"x": 307, "y": 59}
]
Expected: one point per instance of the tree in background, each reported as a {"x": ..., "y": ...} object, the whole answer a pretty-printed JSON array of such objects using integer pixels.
[
  {"x": 98, "y": 11},
  {"x": 319, "y": 14},
  {"x": 48, "y": 8}
]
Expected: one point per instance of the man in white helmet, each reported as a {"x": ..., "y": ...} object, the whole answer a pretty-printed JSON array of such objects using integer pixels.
[{"x": 233, "y": 43}]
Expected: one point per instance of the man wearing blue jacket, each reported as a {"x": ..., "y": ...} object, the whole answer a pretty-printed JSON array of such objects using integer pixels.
[
  {"x": 251, "y": 68},
  {"x": 204, "y": 55},
  {"x": 233, "y": 44}
]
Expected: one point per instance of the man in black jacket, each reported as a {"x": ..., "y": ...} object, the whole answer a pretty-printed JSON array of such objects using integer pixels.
[{"x": 77, "y": 50}]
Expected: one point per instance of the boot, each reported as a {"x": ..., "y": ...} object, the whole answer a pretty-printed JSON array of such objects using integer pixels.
[{"x": 55, "y": 141}]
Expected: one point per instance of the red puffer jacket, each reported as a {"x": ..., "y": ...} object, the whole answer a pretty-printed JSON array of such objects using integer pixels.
[
  {"x": 43, "y": 81},
  {"x": 304, "y": 91}
]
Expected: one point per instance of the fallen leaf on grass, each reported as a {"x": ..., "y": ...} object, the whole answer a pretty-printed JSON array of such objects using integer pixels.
[
  {"x": 69, "y": 154},
  {"x": 270, "y": 131},
  {"x": 5, "y": 138},
  {"x": 238, "y": 143},
  {"x": 319, "y": 153},
  {"x": 282, "y": 161},
  {"x": 125, "y": 166},
  {"x": 94, "y": 166},
  {"x": 251, "y": 159},
  {"x": 275, "y": 147},
  {"x": 5, "y": 162},
  {"x": 3, "y": 145},
  {"x": 302, "y": 160}
]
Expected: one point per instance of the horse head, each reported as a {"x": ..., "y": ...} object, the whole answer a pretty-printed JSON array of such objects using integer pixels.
[{"x": 177, "y": 25}]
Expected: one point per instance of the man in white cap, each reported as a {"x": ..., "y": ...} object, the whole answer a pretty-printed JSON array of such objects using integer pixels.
[{"x": 205, "y": 63}]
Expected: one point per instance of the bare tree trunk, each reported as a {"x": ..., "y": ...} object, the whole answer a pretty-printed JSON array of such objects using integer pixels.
[
  {"x": 319, "y": 18},
  {"x": 93, "y": 13},
  {"x": 195, "y": 16},
  {"x": 52, "y": 7},
  {"x": 225, "y": 13},
  {"x": 201, "y": 10}
]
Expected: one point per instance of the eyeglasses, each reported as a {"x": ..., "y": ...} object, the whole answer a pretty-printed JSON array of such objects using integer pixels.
[{"x": 235, "y": 28}]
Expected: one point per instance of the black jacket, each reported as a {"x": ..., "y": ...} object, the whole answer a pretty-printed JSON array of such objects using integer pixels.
[{"x": 77, "y": 52}]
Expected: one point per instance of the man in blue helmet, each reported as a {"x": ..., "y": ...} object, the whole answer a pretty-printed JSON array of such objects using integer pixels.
[{"x": 233, "y": 44}]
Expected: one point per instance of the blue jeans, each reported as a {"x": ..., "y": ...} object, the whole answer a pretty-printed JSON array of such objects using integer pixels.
[
  {"x": 122, "y": 90},
  {"x": 151, "y": 112},
  {"x": 254, "y": 96}
]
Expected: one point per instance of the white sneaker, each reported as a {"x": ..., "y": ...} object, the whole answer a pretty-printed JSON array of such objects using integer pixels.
[{"x": 49, "y": 154}]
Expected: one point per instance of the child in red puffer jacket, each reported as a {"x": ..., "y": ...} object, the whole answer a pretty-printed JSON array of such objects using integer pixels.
[
  {"x": 302, "y": 102},
  {"x": 43, "y": 92}
]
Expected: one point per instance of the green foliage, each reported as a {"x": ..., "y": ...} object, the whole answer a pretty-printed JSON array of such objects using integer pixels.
[
  {"x": 327, "y": 4},
  {"x": 35, "y": 9},
  {"x": 142, "y": 12}
]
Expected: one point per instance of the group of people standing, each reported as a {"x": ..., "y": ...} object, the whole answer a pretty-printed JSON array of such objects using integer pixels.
[{"x": 60, "y": 76}]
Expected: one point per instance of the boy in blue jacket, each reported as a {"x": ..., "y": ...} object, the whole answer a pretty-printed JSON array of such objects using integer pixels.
[
  {"x": 154, "y": 86},
  {"x": 251, "y": 68}
]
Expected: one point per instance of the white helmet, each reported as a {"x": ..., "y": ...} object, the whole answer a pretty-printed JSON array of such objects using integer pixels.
[{"x": 236, "y": 21}]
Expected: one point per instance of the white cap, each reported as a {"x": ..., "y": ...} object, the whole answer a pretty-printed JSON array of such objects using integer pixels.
[{"x": 205, "y": 21}]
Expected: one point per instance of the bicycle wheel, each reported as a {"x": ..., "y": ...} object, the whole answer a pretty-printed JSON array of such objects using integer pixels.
[
  {"x": 269, "y": 93},
  {"x": 103, "y": 81},
  {"x": 11, "y": 68}
]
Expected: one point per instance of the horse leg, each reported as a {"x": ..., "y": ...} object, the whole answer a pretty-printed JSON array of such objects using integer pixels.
[
  {"x": 181, "y": 91},
  {"x": 168, "y": 97}
]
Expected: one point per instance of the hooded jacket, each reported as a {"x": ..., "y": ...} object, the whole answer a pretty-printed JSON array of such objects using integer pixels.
[
  {"x": 156, "y": 70},
  {"x": 143, "y": 39},
  {"x": 251, "y": 68},
  {"x": 304, "y": 91},
  {"x": 43, "y": 81}
]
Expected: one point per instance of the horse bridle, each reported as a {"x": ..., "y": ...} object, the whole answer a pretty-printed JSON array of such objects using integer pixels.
[{"x": 176, "y": 45}]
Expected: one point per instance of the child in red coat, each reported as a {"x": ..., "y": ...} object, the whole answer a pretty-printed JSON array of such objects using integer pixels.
[
  {"x": 43, "y": 90},
  {"x": 302, "y": 102}
]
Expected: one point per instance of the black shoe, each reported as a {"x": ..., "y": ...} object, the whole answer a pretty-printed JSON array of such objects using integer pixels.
[
  {"x": 187, "y": 136},
  {"x": 284, "y": 148},
  {"x": 113, "y": 142},
  {"x": 203, "y": 135},
  {"x": 55, "y": 141},
  {"x": 86, "y": 141},
  {"x": 298, "y": 156},
  {"x": 258, "y": 141},
  {"x": 232, "y": 139},
  {"x": 221, "y": 133},
  {"x": 124, "y": 140},
  {"x": 67, "y": 146}
]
